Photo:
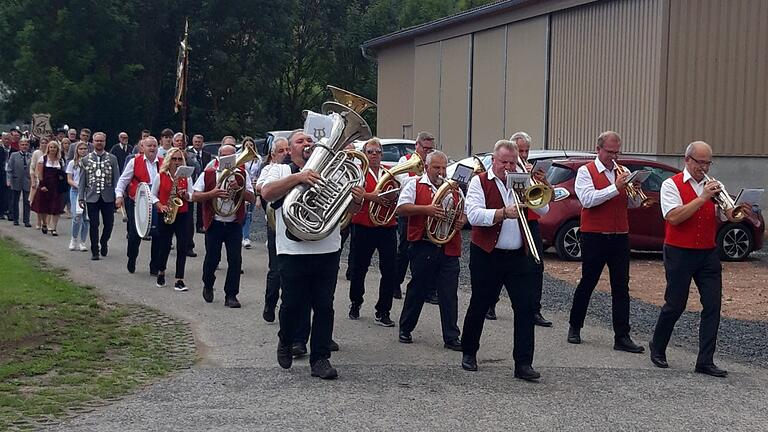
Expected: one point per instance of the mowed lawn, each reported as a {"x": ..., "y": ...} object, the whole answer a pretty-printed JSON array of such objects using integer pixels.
[{"x": 62, "y": 348}]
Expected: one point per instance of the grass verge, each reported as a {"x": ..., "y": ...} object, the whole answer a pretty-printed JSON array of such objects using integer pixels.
[{"x": 64, "y": 351}]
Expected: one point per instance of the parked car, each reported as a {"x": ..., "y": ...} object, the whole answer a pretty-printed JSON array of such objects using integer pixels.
[
  {"x": 392, "y": 150},
  {"x": 560, "y": 227}
]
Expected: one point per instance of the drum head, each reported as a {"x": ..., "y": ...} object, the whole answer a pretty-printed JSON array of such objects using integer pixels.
[{"x": 142, "y": 212}]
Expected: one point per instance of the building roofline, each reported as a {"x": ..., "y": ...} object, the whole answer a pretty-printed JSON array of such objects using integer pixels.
[{"x": 438, "y": 24}]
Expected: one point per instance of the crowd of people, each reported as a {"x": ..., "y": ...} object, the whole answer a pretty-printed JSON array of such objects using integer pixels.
[{"x": 302, "y": 275}]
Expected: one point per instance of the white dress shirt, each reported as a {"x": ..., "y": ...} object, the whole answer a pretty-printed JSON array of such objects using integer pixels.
[
  {"x": 127, "y": 175},
  {"x": 408, "y": 190},
  {"x": 156, "y": 189},
  {"x": 200, "y": 187},
  {"x": 670, "y": 195},
  {"x": 591, "y": 197},
  {"x": 286, "y": 246},
  {"x": 264, "y": 174},
  {"x": 478, "y": 214}
]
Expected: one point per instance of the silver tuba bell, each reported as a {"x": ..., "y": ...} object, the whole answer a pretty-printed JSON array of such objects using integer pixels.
[{"x": 312, "y": 212}]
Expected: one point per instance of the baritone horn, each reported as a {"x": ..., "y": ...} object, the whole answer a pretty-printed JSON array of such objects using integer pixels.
[
  {"x": 233, "y": 181},
  {"x": 632, "y": 191},
  {"x": 382, "y": 215},
  {"x": 450, "y": 198},
  {"x": 725, "y": 202}
]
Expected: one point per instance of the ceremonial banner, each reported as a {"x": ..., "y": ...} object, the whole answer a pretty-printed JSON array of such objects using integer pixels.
[{"x": 41, "y": 125}]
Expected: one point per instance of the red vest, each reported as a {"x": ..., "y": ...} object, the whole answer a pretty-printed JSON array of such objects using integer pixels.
[
  {"x": 417, "y": 224},
  {"x": 362, "y": 217},
  {"x": 486, "y": 237},
  {"x": 210, "y": 184},
  {"x": 699, "y": 230},
  {"x": 164, "y": 194},
  {"x": 140, "y": 174},
  {"x": 608, "y": 217},
  {"x": 408, "y": 156}
]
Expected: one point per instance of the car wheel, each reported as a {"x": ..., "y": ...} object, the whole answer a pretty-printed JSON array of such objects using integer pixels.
[
  {"x": 735, "y": 242},
  {"x": 568, "y": 242}
]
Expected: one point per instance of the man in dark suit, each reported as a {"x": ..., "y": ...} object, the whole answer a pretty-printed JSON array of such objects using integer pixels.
[
  {"x": 18, "y": 180},
  {"x": 204, "y": 158},
  {"x": 121, "y": 150}
]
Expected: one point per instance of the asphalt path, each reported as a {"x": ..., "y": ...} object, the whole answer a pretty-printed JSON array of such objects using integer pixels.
[{"x": 384, "y": 385}]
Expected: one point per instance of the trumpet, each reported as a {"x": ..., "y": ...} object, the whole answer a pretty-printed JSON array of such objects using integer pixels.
[
  {"x": 632, "y": 191},
  {"x": 527, "y": 235},
  {"x": 450, "y": 198},
  {"x": 725, "y": 202},
  {"x": 538, "y": 194}
]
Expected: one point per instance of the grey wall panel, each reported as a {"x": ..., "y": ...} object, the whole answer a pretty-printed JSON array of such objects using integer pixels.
[
  {"x": 488, "y": 88},
  {"x": 426, "y": 97},
  {"x": 395, "y": 90},
  {"x": 454, "y": 96}
]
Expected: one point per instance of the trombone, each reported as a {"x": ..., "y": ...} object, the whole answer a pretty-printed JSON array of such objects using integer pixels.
[
  {"x": 528, "y": 236},
  {"x": 538, "y": 194}
]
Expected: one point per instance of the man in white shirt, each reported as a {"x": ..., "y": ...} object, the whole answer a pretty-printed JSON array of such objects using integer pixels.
[
  {"x": 141, "y": 169},
  {"x": 604, "y": 239},
  {"x": 308, "y": 269},
  {"x": 500, "y": 256},
  {"x": 226, "y": 230},
  {"x": 691, "y": 253}
]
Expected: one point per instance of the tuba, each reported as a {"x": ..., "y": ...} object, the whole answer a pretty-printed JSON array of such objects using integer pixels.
[
  {"x": 632, "y": 191},
  {"x": 519, "y": 189},
  {"x": 450, "y": 197},
  {"x": 725, "y": 202},
  {"x": 538, "y": 194},
  {"x": 233, "y": 181},
  {"x": 312, "y": 212},
  {"x": 174, "y": 203},
  {"x": 379, "y": 214}
]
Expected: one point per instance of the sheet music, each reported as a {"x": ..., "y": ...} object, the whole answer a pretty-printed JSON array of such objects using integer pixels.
[
  {"x": 751, "y": 196},
  {"x": 184, "y": 171}
]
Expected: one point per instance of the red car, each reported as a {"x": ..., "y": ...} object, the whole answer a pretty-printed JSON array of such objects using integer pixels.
[{"x": 560, "y": 227}]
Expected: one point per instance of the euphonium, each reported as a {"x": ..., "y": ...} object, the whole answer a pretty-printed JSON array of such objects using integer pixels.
[
  {"x": 725, "y": 202},
  {"x": 174, "y": 203},
  {"x": 538, "y": 194},
  {"x": 233, "y": 181},
  {"x": 450, "y": 197},
  {"x": 632, "y": 191},
  {"x": 382, "y": 215},
  {"x": 527, "y": 235},
  {"x": 312, "y": 212}
]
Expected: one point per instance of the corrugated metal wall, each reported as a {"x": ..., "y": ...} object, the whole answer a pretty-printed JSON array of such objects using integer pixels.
[
  {"x": 605, "y": 74},
  {"x": 717, "y": 86},
  {"x": 395, "y": 90},
  {"x": 426, "y": 98}
]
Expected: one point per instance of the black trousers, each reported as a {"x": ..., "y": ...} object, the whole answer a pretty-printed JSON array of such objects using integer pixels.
[
  {"x": 539, "y": 270},
  {"x": 165, "y": 234},
  {"x": 272, "y": 294},
  {"x": 24, "y": 196},
  {"x": 516, "y": 271},
  {"x": 703, "y": 266},
  {"x": 198, "y": 216},
  {"x": 597, "y": 250},
  {"x": 134, "y": 241},
  {"x": 190, "y": 229},
  {"x": 432, "y": 269},
  {"x": 107, "y": 212},
  {"x": 230, "y": 234},
  {"x": 403, "y": 245},
  {"x": 5, "y": 201},
  {"x": 308, "y": 282},
  {"x": 366, "y": 240}
]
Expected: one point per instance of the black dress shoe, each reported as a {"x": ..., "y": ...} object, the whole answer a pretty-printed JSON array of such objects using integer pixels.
[
  {"x": 712, "y": 370},
  {"x": 298, "y": 349},
  {"x": 94, "y": 257},
  {"x": 323, "y": 369},
  {"x": 269, "y": 313},
  {"x": 191, "y": 254},
  {"x": 231, "y": 302},
  {"x": 208, "y": 294},
  {"x": 354, "y": 311},
  {"x": 131, "y": 265},
  {"x": 526, "y": 373},
  {"x": 454, "y": 345},
  {"x": 104, "y": 250},
  {"x": 539, "y": 320},
  {"x": 284, "y": 356},
  {"x": 658, "y": 358},
  {"x": 333, "y": 346},
  {"x": 574, "y": 335},
  {"x": 16, "y": 224},
  {"x": 405, "y": 337},
  {"x": 27, "y": 225},
  {"x": 397, "y": 293},
  {"x": 491, "y": 314},
  {"x": 469, "y": 362},
  {"x": 625, "y": 343}
]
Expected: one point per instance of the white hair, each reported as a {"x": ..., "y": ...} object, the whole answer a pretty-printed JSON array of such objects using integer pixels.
[
  {"x": 435, "y": 153},
  {"x": 521, "y": 135},
  {"x": 507, "y": 144}
]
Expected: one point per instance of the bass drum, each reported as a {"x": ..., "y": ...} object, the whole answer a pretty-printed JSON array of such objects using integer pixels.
[{"x": 142, "y": 212}]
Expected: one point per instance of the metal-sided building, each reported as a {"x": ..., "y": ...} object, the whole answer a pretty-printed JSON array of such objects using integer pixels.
[{"x": 662, "y": 73}]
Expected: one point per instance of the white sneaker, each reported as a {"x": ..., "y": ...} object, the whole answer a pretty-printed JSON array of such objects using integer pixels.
[
  {"x": 247, "y": 243},
  {"x": 83, "y": 247},
  {"x": 72, "y": 244}
]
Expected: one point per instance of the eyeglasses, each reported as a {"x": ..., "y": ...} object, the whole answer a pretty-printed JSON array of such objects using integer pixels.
[
  {"x": 701, "y": 163},
  {"x": 177, "y": 159},
  {"x": 373, "y": 152},
  {"x": 614, "y": 153}
]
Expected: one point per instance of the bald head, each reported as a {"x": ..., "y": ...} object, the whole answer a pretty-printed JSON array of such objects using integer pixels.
[
  {"x": 226, "y": 150},
  {"x": 698, "y": 147},
  {"x": 698, "y": 159}
]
